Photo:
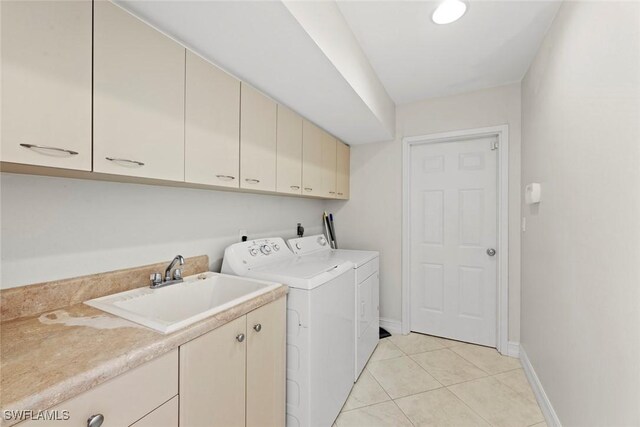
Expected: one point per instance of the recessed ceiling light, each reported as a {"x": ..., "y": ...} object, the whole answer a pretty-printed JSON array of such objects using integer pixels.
[{"x": 449, "y": 11}]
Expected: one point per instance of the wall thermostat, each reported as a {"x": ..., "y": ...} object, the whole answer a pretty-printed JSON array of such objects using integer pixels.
[{"x": 532, "y": 193}]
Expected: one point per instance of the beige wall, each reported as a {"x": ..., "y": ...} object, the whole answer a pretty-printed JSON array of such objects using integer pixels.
[
  {"x": 372, "y": 219},
  {"x": 581, "y": 249}
]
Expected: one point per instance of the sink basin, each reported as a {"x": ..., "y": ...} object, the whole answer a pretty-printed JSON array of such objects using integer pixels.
[{"x": 176, "y": 306}]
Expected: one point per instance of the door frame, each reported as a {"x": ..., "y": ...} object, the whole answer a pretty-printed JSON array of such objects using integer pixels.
[{"x": 502, "y": 303}]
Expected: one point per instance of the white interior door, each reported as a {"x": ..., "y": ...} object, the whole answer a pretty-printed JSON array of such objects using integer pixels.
[{"x": 453, "y": 228}]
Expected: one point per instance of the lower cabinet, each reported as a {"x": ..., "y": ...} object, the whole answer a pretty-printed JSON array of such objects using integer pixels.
[
  {"x": 266, "y": 365},
  {"x": 235, "y": 375},
  {"x": 164, "y": 416},
  {"x": 232, "y": 376},
  {"x": 129, "y": 399},
  {"x": 212, "y": 377}
]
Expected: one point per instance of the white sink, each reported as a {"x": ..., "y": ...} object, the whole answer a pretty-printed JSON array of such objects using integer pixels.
[{"x": 176, "y": 306}]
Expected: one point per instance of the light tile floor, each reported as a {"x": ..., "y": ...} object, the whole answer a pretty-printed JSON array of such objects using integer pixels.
[{"x": 420, "y": 380}]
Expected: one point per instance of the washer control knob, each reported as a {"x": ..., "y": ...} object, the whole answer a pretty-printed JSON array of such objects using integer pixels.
[
  {"x": 253, "y": 251},
  {"x": 322, "y": 240},
  {"x": 265, "y": 249},
  {"x": 298, "y": 246},
  {"x": 276, "y": 247}
]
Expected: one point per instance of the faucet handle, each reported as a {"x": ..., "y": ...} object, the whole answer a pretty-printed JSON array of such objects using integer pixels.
[
  {"x": 177, "y": 274},
  {"x": 156, "y": 279}
]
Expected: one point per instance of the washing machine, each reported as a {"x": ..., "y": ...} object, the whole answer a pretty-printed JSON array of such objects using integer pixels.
[
  {"x": 366, "y": 284},
  {"x": 320, "y": 324}
]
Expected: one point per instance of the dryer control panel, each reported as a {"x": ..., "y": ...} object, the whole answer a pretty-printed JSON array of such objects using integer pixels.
[{"x": 310, "y": 244}]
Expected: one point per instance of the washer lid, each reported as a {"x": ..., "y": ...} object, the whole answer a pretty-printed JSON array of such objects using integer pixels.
[
  {"x": 301, "y": 272},
  {"x": 300, "y": 267},
  {"x": 358, "y": 258}
]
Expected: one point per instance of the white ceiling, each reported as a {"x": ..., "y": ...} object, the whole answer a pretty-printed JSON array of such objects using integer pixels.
[
  {"x": 491, "y": 45},
  {"x": 308, "y": 59}
]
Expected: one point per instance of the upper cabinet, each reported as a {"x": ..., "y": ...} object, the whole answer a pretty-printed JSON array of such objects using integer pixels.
[
  {"x": 138, "y": 102},
  {"x": 46, "y": 83},
  {"x": 343, "y": 159},
  {"x": 87, "y": 86},
  {"x": 257, "y": 140},
  {"x": 328, "y": 166},
  {"x": 212, "y": 124},
  {"x": 289, "y": 152},
  {"x": 311, "y": 159}
]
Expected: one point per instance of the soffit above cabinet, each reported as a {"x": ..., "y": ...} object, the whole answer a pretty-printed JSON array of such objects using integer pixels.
[{"x": 275, "y": 47}]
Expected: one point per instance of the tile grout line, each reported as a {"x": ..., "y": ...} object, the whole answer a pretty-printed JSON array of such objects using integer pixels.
[
  {"x": 372, "y": 404},
  {"x": 501, "y": 383},
  {"x": 442, "y": 386},
  {"x": 470, "y": 408},
  {"x": 488, "y": 373},
  {"x": 402, "y": 412},
  {"x": 446, "y": 387}
]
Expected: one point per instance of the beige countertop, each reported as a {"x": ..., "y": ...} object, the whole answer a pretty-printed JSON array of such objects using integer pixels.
[{"x": 51, "y": 357}]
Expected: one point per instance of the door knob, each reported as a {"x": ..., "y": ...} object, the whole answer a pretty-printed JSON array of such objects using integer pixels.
[{"x": 491, "y": 252}]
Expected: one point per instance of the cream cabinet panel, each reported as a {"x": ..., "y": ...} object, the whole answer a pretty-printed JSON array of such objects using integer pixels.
[
  {"x": 46, "y": 83},
  {"x": 212, "y": 124},
  {"x": 212, "y": 377},
  {"x": 328, "y": 165},
  {"x": 266, "y": 365},
  {"x": 343, "y": 159},
  {"x": 164, "y": 416},
  {"x": 124, "y": 399},
  {"x": 138, "y": 110},
  {"x": 289, "y": 151},
  {"x": 257, "y": 140},
  {"x": 311, "y": 159}
]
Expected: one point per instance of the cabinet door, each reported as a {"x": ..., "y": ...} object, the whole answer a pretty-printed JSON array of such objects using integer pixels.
[
  {"x": 212, "y": 378},
  {"x": 164, "y": 416},
  {"x": 289, "y": 160},
  {"x": 342, "y": 174},
  {"x": 257, "y": 140},
  {"x": 212, "y": 124},
  {"x": 328, "y": 165},
  {"x": 123, "y": 399},
  {"x": 311, "y": 159},
  {"x": 138, "y": 110},
  {"x": 46, "y": 83},
  {"x": 266, "y": 365}
]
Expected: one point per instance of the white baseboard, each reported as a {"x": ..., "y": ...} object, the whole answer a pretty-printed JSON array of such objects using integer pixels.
[
  {"x": 549, "y": 413},
  {"x": 392, "y": 326},
  {"x": 513, "y": 349}
]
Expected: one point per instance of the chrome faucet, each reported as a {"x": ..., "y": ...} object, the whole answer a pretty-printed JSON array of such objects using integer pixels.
[
  {"x": 169, "y": 278},
  {"x": 178, "y": 273}
]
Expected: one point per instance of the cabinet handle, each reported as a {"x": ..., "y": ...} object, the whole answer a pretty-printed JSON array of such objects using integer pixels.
[
  {"x": 35, "y": 148},
  {"x": 95, "y": 420},
  {"x": 126, "y": 161},
  {"x": 295, "y": 187},
  {"x": 257, "y": 327},
  {"x": 252, "y": 181},
  {"x": 226, "y": 177},
  {"x": 240, "y": 337},
  {"x": 308, "y": 189},
  {"x": 340, "y": 194},
  {"x": 332, "y": 192}
]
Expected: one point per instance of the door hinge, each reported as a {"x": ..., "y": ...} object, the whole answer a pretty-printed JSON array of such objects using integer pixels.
[{"x": 494, "y": 145}]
